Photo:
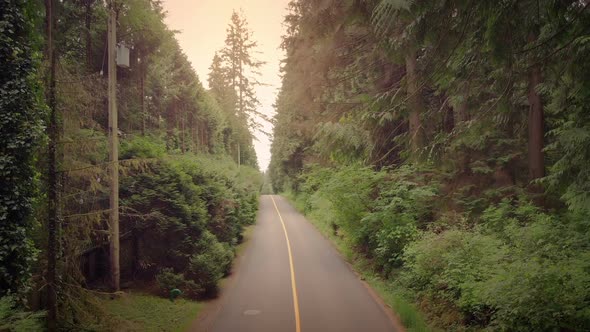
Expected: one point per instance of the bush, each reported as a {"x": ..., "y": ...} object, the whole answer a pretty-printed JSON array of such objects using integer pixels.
[
  {"x": 544, "y": 284},
  {"x": 13, "y": 319},
  {"x": 142, "y": 147},
  {"x": 168, "y": 280},
  {"x": 403, "y": 205},
  {"x": 531, "y": 273},
  {"x": 344, "y": 195},
  {"x": 191, "y": 211},
  {"x": 211, "y": 263},
  {"x": 447, "y": 266}
]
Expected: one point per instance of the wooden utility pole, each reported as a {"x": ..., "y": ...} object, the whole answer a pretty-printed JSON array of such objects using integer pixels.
[{"x": 113, "y": 151}]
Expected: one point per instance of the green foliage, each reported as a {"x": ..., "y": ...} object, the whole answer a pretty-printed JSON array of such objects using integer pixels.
[
  {"x": 403, "y": 206},
  {"x": 349, "y": 191},
  {"x": 211, "y": 262},
  {"x": 379, "y": 212},
  {"x": 144, "y": 312},
  {"x": 170, "y": 197},
  {"x": 531, "y": 275},
  {"x": 452, "y": 215},
  {"x": 142, "y": 147},
  {"x": 569, "y": 90},
  {"x": 445, "y": 266},
  {"x": 168, "y": 280},
  {"x": 12, "y": 319},
  {"x": 511, "y": 267},
  {"x": 21, "y": 124},
  {"x": 189, "y": 211}
]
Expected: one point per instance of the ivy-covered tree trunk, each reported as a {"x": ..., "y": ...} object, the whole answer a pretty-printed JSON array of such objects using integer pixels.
[
  {"x": 52, "y": 176},
  {"x": 20, "y": 130}
]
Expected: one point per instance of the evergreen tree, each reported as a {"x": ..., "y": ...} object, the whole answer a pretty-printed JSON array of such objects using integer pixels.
[{"x": 241, "y": 67}]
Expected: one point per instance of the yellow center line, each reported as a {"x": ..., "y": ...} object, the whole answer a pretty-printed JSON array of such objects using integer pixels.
[{"x": 293, "y": 284}]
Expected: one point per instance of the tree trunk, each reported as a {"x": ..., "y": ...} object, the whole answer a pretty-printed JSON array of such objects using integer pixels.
[
  {"x": 536, "y": 123},
  {"x": 461, "y": 110},
  {"x": 142, "y": 93},
  {"x": 241, "y": 87},
  {"x": 182, "y": 132},
  {"x": 52, "y": 176},
  {"x": 461, "y": 115},
  {"x": 415, "y": 106},
  {"x": 194, "y": 134},
  {"x": 87, "y": 26}
]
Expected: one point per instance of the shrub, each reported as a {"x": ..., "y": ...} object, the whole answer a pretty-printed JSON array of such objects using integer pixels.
[
  {"x": 530, "y": 273},
  {"x": 449, "y": 265},
  {"x": 211, "y": 263},
  {"x": 544, "y": 283},
  {"x": 142, "y": 147},
  {"x": 403, "y": 204},
  {"x": 192, "y": 211},
  {"x": 13, "y": 319},
  {"x": 168, "y": 280},
  {"x": 345, "y": 196}
]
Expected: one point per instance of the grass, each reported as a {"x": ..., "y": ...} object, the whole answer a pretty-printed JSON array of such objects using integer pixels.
[
  {"x": 139, "y": 311},
  {"x": 143, "y": 312},
  {"x": 392, "y": 295}
]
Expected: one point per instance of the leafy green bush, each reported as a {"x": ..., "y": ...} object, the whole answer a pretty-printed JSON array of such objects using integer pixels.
[
  {"x": 191, "y": 210},
  {"x": 211, "y": 263},
  {"x": 142, "y": 147},
  {"x": 544, "y": 282},
  {"x": 13, "y": 319},
  {"x": 447, "y": 266},
  {"x": 531, "y": 273},
  {"x": 344, "y": 195},
  {"x": 403, "y": 205},
  {"x": 168, "y": 280}
]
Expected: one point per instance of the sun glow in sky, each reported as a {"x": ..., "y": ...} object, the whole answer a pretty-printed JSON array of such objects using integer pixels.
[{"x": 202, "y": 29}]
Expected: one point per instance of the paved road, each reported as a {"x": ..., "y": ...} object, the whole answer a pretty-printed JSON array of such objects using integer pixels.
[{"x": 329, "y": 296}]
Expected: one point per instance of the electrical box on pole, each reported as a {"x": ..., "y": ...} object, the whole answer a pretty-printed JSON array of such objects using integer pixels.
[{"x": 122, "y": 55}]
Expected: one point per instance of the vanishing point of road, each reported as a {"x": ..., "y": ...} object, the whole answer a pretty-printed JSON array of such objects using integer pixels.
[{"x": 290, "y": 278}]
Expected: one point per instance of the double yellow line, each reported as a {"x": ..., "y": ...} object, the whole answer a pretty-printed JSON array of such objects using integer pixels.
[{"x": 293, "y": 284}]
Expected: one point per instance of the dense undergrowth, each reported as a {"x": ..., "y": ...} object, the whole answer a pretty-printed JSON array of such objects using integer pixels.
[
  {"x": 190, "y": 211},
  {"x": 502, "y": 264}
]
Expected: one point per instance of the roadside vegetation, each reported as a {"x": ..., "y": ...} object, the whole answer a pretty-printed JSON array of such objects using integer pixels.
[
  {"x": 443, "y": 146},
  {"x": 188, "y": 175},
  {"x": 141, "y": 312}
]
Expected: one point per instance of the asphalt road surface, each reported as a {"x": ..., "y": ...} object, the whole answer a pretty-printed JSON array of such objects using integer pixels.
[{"x": 290, "y": 278}]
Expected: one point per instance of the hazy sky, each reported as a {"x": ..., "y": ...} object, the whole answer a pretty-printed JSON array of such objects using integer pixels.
[{"x": 202, "y": 25}]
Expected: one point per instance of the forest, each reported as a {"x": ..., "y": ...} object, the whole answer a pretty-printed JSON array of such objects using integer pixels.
[
  {"x": 188, "y": 174},
  {"x": 446, "y": 145}
]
